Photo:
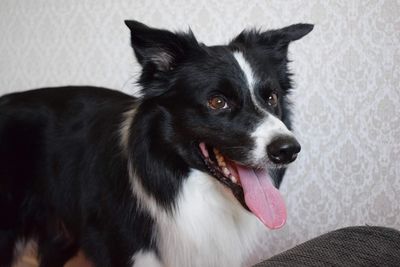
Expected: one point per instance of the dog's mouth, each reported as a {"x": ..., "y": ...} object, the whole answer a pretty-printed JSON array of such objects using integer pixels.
[{"x": 252, "y": 187}]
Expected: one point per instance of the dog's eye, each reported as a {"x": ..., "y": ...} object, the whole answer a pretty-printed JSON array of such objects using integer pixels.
[
  {"x": 217, "y": 102},
  {"x": 272, "y": 99}
]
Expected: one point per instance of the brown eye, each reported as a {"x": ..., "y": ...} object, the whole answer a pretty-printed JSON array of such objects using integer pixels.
[
  {"x": 217, "y": 102},
  {"x": 272, "y": 99}
]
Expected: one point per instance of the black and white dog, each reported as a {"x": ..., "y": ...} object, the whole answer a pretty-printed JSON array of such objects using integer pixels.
[{"x": 184, "y": 175}]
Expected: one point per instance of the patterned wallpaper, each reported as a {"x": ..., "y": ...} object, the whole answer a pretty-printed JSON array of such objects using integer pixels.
[{"x": 347, "y": 87}]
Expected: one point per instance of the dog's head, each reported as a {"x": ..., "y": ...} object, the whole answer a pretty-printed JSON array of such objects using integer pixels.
[{"x": 226, "y": 107}]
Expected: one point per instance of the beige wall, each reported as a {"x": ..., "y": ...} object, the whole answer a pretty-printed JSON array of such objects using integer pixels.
[{"x": 347, "y": 97}]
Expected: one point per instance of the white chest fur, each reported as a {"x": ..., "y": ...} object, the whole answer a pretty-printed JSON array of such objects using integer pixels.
[{"x": 209, "y": 228}]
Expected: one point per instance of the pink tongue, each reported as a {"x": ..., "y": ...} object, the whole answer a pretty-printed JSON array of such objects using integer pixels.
[{"x": 262, "y": 198}]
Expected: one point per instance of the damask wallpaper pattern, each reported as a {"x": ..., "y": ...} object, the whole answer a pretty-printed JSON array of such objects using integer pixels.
[{"x": 347, "y": 78}]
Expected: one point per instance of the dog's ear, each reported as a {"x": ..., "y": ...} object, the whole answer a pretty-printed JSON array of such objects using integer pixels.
[
  {"x": 159, "y": 49},
  {"x": 273, "y": 39},
  {"x": 290, "y": 33}
]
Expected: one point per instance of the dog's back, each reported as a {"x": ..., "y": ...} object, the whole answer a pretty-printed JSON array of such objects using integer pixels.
[{"x": 50, "y": 140}]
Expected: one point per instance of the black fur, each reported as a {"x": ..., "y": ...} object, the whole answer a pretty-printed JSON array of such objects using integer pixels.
[
  {"x": 64, "y": 179},
  {"x": 64, "y": 176}
]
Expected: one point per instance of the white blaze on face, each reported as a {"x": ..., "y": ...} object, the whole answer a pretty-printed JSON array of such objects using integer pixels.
[
  {"x": 250, "y": 77},
  {"x": 270, "y": 127}
]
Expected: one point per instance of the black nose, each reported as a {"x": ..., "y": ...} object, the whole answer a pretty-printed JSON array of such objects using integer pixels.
[{"x": 283, "y": 150}]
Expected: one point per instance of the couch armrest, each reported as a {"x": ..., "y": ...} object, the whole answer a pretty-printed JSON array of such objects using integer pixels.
[{"x": 351, "y": 246}]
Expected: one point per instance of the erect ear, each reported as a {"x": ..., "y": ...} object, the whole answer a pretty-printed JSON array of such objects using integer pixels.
[
  {"x": 158, "y": 48},
  {"x": 274, "y": 39},
  {"x": 290, "y": 33}
]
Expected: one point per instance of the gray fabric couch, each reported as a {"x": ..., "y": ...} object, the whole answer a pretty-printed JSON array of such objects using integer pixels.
[{"x": 352, "y": 246}]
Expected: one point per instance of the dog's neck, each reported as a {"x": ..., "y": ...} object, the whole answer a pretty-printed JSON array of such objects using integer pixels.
[
  {"x": 195, "y": 215},
  {"x": 152, "y": 156}
]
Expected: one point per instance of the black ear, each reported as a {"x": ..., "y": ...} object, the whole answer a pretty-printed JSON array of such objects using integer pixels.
[
  {"x": 290, "y": 33},
  {"x": 158, "y": 48},
  {"x": 274, "y": 39}
]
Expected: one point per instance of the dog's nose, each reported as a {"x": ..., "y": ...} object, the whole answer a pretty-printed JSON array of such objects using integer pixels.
[{"x": 283, "y": 150}]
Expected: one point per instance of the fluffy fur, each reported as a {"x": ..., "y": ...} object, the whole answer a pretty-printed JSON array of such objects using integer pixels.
[{"x": 122, "y": 178}]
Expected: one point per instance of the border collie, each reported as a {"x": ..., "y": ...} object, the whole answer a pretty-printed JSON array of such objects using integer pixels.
[{"x": 184, "y": 175}]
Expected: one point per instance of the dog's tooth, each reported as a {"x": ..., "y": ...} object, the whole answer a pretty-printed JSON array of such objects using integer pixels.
[
  {"x": 226, "y": 171},
  {"x": 222, "y": 163},
  {"x": 220, "y": 158},
  {"x": 233, "y": 178}
]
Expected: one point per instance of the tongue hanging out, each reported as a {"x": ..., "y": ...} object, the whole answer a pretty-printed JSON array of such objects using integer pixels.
[{"x": 260, "y": 196}]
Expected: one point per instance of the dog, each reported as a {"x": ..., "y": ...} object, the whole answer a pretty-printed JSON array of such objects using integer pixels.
[{"x": 186, "y": 174}]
